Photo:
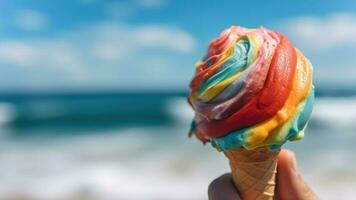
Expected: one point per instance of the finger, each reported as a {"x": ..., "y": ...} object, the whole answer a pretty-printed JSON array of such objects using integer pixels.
[
  {"x": 222, "y": 188},
  {"x": 290, "y": 184}
]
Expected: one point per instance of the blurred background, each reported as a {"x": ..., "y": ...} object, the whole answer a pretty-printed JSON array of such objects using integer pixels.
[{"x": 92, "y": 95}]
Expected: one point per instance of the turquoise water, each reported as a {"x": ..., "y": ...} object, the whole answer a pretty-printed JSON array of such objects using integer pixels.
[
  {"x": 89, "y": 109},
  {"x": 134, "y": 146}
]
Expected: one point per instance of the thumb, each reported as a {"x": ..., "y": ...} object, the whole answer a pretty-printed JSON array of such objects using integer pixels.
[{"x": 290, "y": 184}]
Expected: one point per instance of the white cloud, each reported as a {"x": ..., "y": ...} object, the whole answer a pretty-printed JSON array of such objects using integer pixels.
[
  {"x": 30, "y": 20},
  {"x": 105, "y": 53},
  {"x": 150, "y": 36},
  {"x": 117, "y": 42},
  {"x": 11, "y": 52},
  {"x": 323, "y": 33},
  {"x": 155, "y": 36},
  {"x": 57, "y": 56}
]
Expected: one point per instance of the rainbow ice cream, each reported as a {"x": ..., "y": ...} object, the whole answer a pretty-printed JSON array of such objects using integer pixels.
[{"x": 252, "y": 89}]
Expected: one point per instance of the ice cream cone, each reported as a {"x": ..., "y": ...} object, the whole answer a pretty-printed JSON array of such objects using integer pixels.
[
  {"x": 254, "y": 172},
  {"x": 252, "y": 89}
]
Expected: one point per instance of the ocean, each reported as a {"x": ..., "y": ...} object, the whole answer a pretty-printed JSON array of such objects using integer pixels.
[{"x": 134, "y": 145}]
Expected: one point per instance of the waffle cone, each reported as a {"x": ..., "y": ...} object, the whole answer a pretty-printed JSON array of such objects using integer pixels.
[{"x": 254, "y": 172}]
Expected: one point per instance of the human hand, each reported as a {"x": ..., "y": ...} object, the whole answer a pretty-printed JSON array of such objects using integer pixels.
[{"x": 290, "y": 185}]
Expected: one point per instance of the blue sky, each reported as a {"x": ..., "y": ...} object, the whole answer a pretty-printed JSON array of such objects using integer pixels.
[{"x": 153, "y": 44}]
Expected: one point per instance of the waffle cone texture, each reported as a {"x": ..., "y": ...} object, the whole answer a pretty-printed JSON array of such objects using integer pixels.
[{"x": 254, "y": 172}]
